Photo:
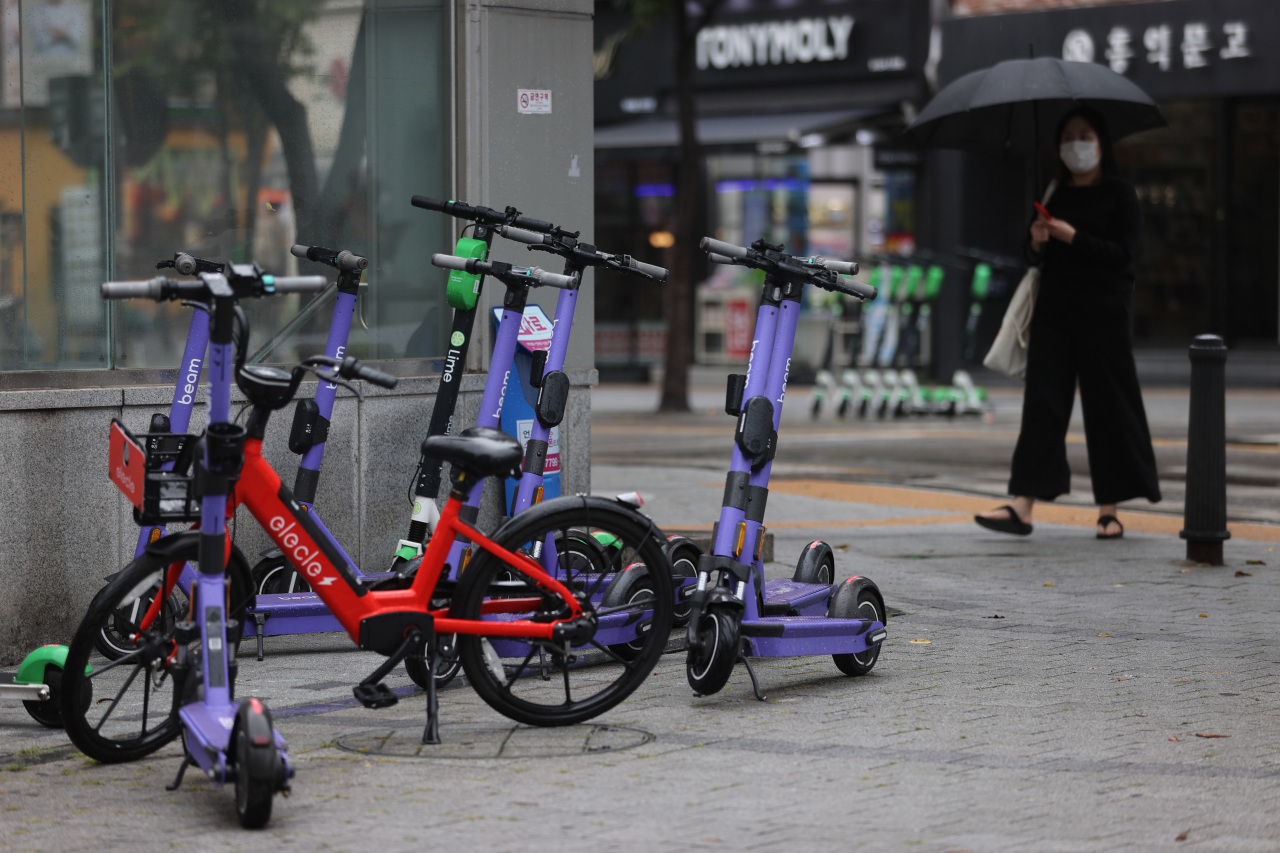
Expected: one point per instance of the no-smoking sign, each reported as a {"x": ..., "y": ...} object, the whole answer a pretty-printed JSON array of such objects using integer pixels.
[{"x": 533, "y": 101}]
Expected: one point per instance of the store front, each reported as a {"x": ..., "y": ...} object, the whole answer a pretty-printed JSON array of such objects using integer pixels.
[
  {"x": 792, "y": 99},
  {"x": 1209, "y": 183}
]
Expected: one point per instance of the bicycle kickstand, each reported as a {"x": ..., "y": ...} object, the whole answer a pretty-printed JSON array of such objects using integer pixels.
[
  {"x": 431, "y": 734},
  {"x": 755, "y": 685}
]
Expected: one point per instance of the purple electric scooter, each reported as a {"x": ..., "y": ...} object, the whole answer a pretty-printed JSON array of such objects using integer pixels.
[
  {"x": 281, "y": 605},
  {"x": 736, "y": 614}
]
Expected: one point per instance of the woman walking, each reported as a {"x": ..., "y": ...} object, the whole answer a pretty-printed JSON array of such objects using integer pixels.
[{"x": 1082, "y": 330}]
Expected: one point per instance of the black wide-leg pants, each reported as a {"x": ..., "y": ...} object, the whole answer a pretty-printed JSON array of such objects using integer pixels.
[{"x": 1097, "y": 350}]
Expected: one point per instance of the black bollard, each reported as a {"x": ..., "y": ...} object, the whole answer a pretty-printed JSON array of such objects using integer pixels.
[{"x": 1205, "y": 510}]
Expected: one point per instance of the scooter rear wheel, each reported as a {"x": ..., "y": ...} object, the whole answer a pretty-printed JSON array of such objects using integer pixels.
[
  {"x": 418, "y": 668},
  {"x": 630, "y": 586},
  {"x": 708, "y": 668},
  {"x": 817, "y": 564},
  {"x": 857, "y": 598}
]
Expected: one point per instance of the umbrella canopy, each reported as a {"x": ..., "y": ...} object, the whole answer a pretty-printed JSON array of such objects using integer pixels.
[{"x": 1013, "y": 108}]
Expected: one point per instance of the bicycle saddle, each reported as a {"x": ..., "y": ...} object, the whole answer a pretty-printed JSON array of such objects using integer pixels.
[
  {"x": 479, "y": 450},
  {"x": 268, "y": 387}
]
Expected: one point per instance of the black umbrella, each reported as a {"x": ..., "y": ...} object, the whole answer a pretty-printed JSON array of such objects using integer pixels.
[{"x": 1013, "y": 108}]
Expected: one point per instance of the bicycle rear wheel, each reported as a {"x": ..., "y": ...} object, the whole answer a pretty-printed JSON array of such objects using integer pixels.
[
  {"x": 137, "y": 695},
  {"x": 544, "y": 683}
]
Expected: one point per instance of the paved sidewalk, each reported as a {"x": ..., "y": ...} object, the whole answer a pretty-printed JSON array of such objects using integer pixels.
[{"x": 1048, "y": 693}]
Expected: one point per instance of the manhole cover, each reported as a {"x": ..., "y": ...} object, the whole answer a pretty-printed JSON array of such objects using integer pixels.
[{"x": 498, "y": 741}]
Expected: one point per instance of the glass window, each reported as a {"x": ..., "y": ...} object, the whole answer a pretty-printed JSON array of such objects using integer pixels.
[{"x": 233, "y": 130}]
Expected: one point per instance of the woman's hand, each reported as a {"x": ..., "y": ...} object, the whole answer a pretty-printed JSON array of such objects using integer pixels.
[
  {"x": 1062, "y": 230},
  {"x": 1039, "y": 234}
]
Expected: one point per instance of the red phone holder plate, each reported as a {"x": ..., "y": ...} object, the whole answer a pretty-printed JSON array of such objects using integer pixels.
[{"x": 128, "y": 464}]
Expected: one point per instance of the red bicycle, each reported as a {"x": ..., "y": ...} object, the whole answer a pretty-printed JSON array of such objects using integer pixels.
[{"x": 530, "y": 639}]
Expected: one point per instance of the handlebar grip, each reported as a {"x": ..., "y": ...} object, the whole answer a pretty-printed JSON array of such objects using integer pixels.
[
  {"x": 377, "y": 377},
  {"x": 351, "y": 262},
  {"x": 184, "y": 264},
  {"x": 654, "y": 272},
  {"x": 553, "y": 279},
  {"x": 426, "y": 203},
  {"x": 299, "y": 283},
  {"x": 150, "y": 288},
  {"x": 856, "y": 289},
  {"x": 452, "y": 262},
  {"x": 720, "y": 247},
  {"x": 534, "y": 224},
  {"x": 521, "y": 235},
  {"x": 299, "y": 251},
  {"x": 719, "y": 259},
  {"x": 842, "y": 267}
]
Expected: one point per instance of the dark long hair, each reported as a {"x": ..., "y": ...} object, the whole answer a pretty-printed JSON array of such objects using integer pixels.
[{"x": 1099, "y": 125}]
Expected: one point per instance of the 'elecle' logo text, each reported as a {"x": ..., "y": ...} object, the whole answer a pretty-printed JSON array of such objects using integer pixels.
[{"x": 293, "y": 546}]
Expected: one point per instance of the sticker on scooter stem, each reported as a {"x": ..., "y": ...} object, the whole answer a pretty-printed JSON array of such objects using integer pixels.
[
  {"x": 457, "y": 339},
  {"x": 535, "y": 328}
]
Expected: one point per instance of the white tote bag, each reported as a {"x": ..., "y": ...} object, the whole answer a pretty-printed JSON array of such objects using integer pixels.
[{"x": 1008, "y": 353}]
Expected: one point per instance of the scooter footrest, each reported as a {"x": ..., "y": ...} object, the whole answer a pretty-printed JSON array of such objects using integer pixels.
[{"x": 376, "y": 695}]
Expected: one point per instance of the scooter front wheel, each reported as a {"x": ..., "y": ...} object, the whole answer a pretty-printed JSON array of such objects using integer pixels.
[
  {"x": 857, "y": 598},
  {"x": 710, "y": 663},
  {"x": 258, "y": 767}
]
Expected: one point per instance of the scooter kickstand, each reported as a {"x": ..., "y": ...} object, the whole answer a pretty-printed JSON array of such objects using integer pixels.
[
  {"x": 177, "y": 780},
  {"x": 755, "y": 684},
  {"x": 431, "y": 734},
  {"x": 259, "y": 622}
]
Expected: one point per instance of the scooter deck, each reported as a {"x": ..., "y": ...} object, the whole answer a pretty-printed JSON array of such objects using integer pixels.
[
  {"x": 794, "y": 636},
  {"x": 791, "y": 598}
]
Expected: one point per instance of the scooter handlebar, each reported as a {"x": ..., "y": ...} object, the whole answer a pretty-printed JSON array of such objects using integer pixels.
[
  {"x": 352, "y": 368},
  {"x": 151, "y": 288},
  {"x": 451, "y": 262},
  {"x": 719, "y": 259},
  {"x": 477, "y": 213},
  {"x": 343, "y": 260},
  {"x": 299, "y": 283},
  {"x": 709, "y": 244},
  {"x": 521, "y": 235},
  {"x": 855, "y": 288},
  {"x": 842, "y": 267},
  {"x": 654, "y": 272}
]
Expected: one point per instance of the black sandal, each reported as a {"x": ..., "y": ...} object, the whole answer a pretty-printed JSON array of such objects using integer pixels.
[
  {"x": 1013, "y": 524},
  {"x": 1103, "y": 521}
]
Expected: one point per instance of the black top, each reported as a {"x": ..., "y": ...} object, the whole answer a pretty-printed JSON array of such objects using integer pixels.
[{"x": 1096, "y": 268}]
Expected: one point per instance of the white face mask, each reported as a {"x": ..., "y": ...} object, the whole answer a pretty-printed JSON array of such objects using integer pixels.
[{"x": 1080, "y": 156}]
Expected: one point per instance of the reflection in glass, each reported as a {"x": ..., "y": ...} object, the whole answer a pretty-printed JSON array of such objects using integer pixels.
[{"x": 228, "y": 130}]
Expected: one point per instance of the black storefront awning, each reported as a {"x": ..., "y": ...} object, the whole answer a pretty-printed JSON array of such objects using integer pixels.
[
  {"x": 1171, "y": 49},
  {"x": 729, "y": 130}
]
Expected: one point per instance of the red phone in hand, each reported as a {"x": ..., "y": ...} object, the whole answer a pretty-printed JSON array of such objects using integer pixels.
[{"x": 1040, "y": 208}]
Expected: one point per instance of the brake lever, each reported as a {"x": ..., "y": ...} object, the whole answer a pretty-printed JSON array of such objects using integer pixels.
[{"x": 334, "y": 378}]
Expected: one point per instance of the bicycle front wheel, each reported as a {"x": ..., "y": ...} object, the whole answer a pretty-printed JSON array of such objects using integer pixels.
[
  {"x": 137, "y": 694},
  {"x": 542, "y": 682}
]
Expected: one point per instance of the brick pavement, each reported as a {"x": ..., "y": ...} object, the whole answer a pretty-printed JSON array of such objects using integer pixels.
[{"x": 1069, "y": 723}]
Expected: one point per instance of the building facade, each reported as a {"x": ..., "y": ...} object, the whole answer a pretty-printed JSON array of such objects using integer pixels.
[{"x": 133, "y": 129}]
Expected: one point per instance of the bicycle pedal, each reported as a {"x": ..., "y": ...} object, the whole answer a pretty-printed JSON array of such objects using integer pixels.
[{"x": 376, "y": 695}]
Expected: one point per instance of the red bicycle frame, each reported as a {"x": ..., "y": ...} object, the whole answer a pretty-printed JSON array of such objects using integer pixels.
[{"x": 292, "y": 529}]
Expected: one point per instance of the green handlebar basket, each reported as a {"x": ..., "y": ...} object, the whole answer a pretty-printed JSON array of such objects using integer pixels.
[{"x": 464, "y": 287}]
